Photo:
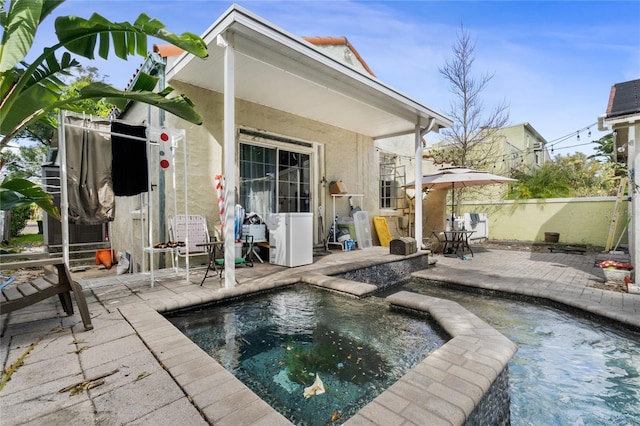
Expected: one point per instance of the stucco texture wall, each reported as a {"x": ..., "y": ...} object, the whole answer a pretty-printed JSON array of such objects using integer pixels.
[
  {"x": 348, "y": 156},
  {"x": 339, "y": 154},
  {"x": 577, "y": 220}
]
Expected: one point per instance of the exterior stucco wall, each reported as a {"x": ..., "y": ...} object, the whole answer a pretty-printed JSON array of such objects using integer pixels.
[
  {"x": 518, "y": 139},
  {"x": 343, "y": 54},
  {"x": 401, "y": 220},
  {"x": 404, "y": 147},
  {"x": 346, "y": 156},
  {"x": 577, "y": 220},
  {"x": 434, "y": 211}
]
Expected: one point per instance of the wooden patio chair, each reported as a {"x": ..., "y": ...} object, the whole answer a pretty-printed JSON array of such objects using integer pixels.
[{"x": 56, "y": 280}]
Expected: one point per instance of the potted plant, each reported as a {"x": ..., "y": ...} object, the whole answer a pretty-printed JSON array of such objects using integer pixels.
[{"x": 616, "y": 272}]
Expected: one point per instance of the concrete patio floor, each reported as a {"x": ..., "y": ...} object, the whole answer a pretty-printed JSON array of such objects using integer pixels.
[{"x": 142, "y": 385}]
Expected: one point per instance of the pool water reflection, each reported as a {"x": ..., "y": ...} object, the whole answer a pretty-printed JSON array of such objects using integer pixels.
[
  {"x": 568, "y": 370},
  {"x": 275, "y": 343}
]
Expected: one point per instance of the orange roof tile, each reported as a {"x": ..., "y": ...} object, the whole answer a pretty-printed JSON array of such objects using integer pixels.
[
  {"x": 339, "y": 41},
  {"x": 166, "y": 50},
  {"x": 327, "y": 41}
]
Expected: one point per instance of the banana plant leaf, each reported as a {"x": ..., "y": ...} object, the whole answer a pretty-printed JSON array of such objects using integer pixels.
[{"x": 21, "y": 192}]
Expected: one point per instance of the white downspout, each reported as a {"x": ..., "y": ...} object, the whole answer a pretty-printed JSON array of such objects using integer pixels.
[
  {"x": 418, "y": 187},
  {"x": 418, "y": 179},
  {"x": 229, "y": 159}
]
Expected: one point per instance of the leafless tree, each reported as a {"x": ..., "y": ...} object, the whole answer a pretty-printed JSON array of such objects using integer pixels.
[{"x": 471, "y": 141}]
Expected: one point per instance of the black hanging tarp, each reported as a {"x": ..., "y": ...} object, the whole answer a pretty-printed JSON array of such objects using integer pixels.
[{"x": 129, "y": 160}]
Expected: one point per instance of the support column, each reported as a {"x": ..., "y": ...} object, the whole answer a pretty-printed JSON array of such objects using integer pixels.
[
  {"x": 64, "y": 197},
  {"x": 229, "y": 159},
  {"x": 159, "y": 63},
  {"x": 634, "y": 227},
  {"x": 418, "y": 186}
]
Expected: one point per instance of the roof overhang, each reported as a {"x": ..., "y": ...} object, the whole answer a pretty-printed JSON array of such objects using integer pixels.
[
  {"x": 606, "y": 123},
  {"x": 279, "y": 70},
  {"x": 535, "y": 133}
]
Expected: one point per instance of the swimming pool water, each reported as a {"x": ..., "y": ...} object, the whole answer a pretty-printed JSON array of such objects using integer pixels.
[
  {"x": 275, "y": 343},
  {"x": 568, "y": 370}
]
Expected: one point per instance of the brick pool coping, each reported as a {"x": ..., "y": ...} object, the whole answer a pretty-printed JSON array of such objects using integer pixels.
[
  {"x": 445, "y": 387},
  {"x": 621, "y": 308},
  {"x": 113, "y": 344}
]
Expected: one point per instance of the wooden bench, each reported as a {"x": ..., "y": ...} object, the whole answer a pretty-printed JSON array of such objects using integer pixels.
[{"x": 56, "y": 280}]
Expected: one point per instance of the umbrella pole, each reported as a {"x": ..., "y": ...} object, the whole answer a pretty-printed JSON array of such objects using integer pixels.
[{"x": 453, "y": 203}]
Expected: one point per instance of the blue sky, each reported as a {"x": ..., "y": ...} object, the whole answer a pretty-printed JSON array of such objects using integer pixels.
[{"x": 553, "y": 62}]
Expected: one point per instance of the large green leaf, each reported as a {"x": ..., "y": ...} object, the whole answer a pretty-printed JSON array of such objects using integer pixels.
[
  {"x": 22, "y": 192},
  {"x": 38, "y": 96},
  {"x": 30, "y": 91},
  {"x": 20, "y": 26},
  {"x": 180, "y": 105},
  {"x": 144, "y": 81},
  {"x": 48, "y": 7},
  {"x": 81, "y": 36}
]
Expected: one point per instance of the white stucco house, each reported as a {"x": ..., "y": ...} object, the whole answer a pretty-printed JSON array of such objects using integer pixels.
[
  {"x": 622, "y": 117},
  {"x": 283, "y": 117}
]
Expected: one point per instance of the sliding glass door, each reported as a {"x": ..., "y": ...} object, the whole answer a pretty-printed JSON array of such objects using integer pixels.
[{"x": 274, "y": 180}]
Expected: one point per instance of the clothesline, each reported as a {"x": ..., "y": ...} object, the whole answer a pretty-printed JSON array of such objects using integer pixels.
[
  {"x": 92, "y": 117},
  {"x": 152, "y": 142},
  {"x": 142, "y": 132}
]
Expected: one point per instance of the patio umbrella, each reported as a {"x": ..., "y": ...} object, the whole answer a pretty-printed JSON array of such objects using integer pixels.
[{"x": 458, "y": 177}]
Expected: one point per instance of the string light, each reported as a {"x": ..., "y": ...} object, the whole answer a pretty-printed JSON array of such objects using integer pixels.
[
  {"x": 513, "y": 157},
  {"x": 574, "y": 146},
  {"x": 561, "y": 139}
]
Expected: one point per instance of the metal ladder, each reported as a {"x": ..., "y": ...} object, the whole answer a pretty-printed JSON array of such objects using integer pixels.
[{"x": 616, "y": 212}]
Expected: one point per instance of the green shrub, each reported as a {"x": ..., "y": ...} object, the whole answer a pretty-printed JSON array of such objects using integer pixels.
[{"x": 19, "y": 217}]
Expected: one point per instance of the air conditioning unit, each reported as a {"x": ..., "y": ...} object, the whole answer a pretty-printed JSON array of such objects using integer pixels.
[{"x": 538, "y": 146}]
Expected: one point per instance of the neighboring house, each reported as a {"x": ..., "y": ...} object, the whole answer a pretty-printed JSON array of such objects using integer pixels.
[
  {"x": 282, "y": 118},
  {"x": 513, "y": 149},
  {"x": 520, "y": 148},
  {"x": 623, "y": 119}
]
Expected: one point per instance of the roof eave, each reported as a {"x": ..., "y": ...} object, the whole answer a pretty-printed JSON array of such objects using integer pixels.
[
  {"x": 609, "y": 122},
  {"x": 242, "y": 22},
  {"x": 535, "y": 133}
]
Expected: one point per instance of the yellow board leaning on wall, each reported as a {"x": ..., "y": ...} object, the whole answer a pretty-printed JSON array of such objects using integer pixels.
[{"x": 382, "y": 229}]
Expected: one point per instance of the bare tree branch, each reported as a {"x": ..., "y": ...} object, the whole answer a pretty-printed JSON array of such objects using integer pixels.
[{"x": 471, "y": 140}]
